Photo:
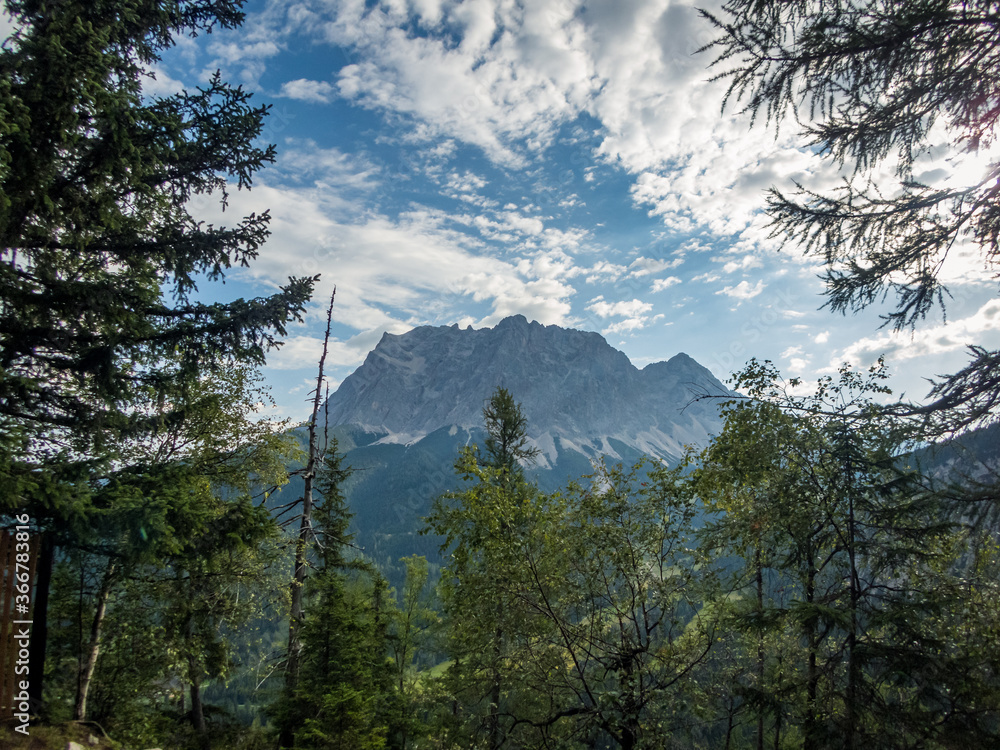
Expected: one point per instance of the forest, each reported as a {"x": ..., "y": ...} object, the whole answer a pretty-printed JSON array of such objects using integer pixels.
[{"x": 824, "y": 574}]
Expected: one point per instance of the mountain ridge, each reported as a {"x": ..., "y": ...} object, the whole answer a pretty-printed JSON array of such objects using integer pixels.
[{"x": 572, "y": 385}]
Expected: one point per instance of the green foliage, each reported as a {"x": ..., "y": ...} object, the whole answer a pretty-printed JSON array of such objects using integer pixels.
[
  {"x": 343, "y": 697},
  {"x": 484, "y": 528},
  {"x": 126, "y": 405},
  {"x": 507, "y": 433},
  {"x": 183, "y": 558},
  {"x": 95, "y": 234},
  {"x": 839, "y": 561},
  {"x": 568, "y": 616},
  {"x": 617, "y": 585},
  {"x": 796, "y": 585},
  {"x": 410, "y": 635}
]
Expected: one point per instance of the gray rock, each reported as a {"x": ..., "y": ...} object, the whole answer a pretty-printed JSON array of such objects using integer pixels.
[{"x": 572, "y": 386}]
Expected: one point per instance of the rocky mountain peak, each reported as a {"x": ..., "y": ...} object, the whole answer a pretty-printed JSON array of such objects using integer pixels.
[{"x": 572, "y": 386}]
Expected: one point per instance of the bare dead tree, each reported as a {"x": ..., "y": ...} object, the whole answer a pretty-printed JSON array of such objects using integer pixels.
[{"x": 305, "y": 526}]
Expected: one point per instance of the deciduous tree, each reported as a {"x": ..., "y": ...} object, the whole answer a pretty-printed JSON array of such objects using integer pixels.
[{"x": 859, "y": 563}]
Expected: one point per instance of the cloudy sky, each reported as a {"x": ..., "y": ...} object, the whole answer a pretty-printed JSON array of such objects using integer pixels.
[{"x": 459, "y": 161}]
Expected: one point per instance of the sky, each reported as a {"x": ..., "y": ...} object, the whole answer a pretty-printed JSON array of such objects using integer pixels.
[{"x": 459, "y": 161}]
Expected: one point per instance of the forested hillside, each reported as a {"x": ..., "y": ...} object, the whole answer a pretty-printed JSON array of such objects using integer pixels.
[{"x": 822, "y": 572}]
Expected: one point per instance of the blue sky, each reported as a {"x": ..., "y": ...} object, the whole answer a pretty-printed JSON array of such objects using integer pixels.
[{"x": 458, "y": 161}]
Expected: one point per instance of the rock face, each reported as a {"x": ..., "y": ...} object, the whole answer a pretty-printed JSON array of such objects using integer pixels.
[{"x": 572, "y": 385}]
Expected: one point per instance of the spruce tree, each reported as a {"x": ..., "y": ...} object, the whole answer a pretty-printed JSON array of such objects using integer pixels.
[
  {"x": 344, "y": 685},
  {"x": 99, "y": 253},
  {"x": 101, "y": 337}
]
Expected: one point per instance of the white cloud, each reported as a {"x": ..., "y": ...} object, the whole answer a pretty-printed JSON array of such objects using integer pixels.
[
  {"x": 514, "y": 76},
  {"x": 7, "y": 26},
  {"x": 605, "y": 309},
  {"x": 744, "y": 290},
  {"x": 506, "y": 77},
  {"x": 249, "y": 55},
  {"x": 947, "y": 337},
  {"x": 645, "y": 266},
  {"x": 625, "y": 326},
  {"x": 160, "y": 83},
  {"x": 525, "y": 224},
  {"x": 822, "y": 338},
  {"x": 232, "y": 52},
  {"x": 429, "y": 12},
  {"x": 308, "y": 91},
  {"x": 660, "y": 284},
  {"x": 744, "y": 263},
  {"x": 549, "y": 264},
  {"x": 635, "y": 314},
  {"x": 298, "y": 352},
  {"x": 344, "y": 178},
  {"x": 604, "y": 271},
  {"x": 391, "y": 272}
]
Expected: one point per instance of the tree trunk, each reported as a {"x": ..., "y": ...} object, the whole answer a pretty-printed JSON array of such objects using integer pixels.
[
  {"x": 852, "y": 636},
  {"x": 760, "y": 645},
  {"x": 197, "y": 709},
  {"x": 812, "y": 675},
  {"x": 87, "y": 669},
  {"x": 286, "y": 738},
  {"x": 494, "y": 715},
  {"x": 40, "y": 623}
]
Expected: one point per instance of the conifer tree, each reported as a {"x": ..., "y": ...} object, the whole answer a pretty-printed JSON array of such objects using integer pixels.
[
  {"x": 483, "y": 526},
  {"x": 506, "y": 433},
  {"x": 344, "y": 690},
  {"x": 874, "y": 85},
  {"x": 101, "y": 336},
  {"x": 99, "y": 254}
]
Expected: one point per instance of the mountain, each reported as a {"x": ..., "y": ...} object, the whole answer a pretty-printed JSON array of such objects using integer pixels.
[
  {"x": 574, "y": 388},
  {"x": 401, "y": 418}
]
